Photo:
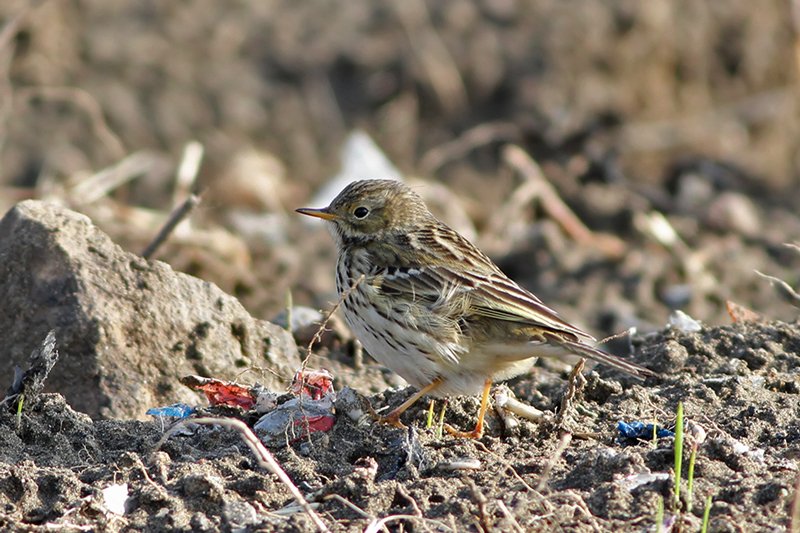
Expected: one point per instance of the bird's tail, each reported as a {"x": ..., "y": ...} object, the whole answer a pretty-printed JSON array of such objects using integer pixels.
[{"x": 590, "y": 352}]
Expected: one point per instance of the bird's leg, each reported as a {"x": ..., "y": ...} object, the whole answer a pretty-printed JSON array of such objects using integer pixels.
[
  {"x": 478, "y": 431},
  {"x": 393, "y": 418}
]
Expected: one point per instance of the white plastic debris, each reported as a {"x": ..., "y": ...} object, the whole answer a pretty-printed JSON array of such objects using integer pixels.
[
  {"x": 310, "y": 410},
  {"x": 115, "y": 497},
  {"x": 682, "y": 321}
]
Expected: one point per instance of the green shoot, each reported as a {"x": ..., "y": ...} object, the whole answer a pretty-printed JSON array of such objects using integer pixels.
[
  {"x": 660, "y": 514},
  {"x": 19, "y": 410},
  {"x": 691, "y": 478},
  {"x": 440, "y": 425},
  {"x": 655, "y": 429},
  {"x": 678, "y": 454},
  {"x": 429, "y": 424},
  {"x": 706, "y": 513}
]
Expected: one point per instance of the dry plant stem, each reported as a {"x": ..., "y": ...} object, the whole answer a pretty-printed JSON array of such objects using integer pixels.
[
  {"x": 795, "y": 524},
  {"x": 264, "y": 458},
  {"x": 576, "y": 383},
  {"x": 401, "y": 490},
  {"x": 566, "y": 438},
  {"x": 481, "y": 500},
  {"x": 85, "y": 101},
  {"x": 474, "y": 138},
  {"x": 796, "y": 24},
  {"x": 7, "y": 34},
  {"x": 555, "y": 206},
  {"x": 187, "y": 172},
  {"x": 432, "y": 54},
  {"x": 509, "y": 516},
  {"x": 350, "y": 505},
  {"x": 784, "y": 288},
  {"x": 101, "y": 183},
  {"x": 175, "y": 218},
  {"x": 378, "y": 525},
  {"x": 318, "y": 335}
]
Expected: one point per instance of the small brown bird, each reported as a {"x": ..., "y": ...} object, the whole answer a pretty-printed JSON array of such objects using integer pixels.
[{"x": 430, "y": 306}]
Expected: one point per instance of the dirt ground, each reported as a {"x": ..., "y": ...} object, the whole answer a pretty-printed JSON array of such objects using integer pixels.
[{"x": 669, "y": 128}]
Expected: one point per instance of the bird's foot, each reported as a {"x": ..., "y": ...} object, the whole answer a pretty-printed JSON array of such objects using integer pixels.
[
  {"x": 392, "y": 419},
  {"x": 474, "y": 434}
]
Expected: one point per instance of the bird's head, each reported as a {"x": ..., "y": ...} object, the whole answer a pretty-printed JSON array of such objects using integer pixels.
[{"x": 372, "y": 210}]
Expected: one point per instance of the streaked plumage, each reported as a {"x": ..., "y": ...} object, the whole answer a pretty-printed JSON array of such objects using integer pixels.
[{"x": 430, "y": 305}]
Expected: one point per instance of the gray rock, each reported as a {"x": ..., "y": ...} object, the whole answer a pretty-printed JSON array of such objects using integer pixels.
[{"x": 127, "y": 328}]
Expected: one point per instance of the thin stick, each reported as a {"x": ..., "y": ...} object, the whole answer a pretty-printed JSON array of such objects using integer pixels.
[
  {"x": 784, "y": 289},
  {"x": 349, "y": 504},
  {"x": 474, "y": 138},
  {"x": 86, "y": 102},
  {"x": 575, "y": 377},
  {"x": 7, "y": 33},
  {"x": 795, "y": 524},
  {"x": 187, "y": 172},
  {"x": 566, "y": 438},
  {"x": 377, "y": 525},
  {"x": 510, "y": 517},
  {"x": 432, "y": 54},
  {"x": 555, "y": 206},
  {"x": 174, "y": 219},
  {"x": 318, "y": 335},
  {"x": 482, "y": 501},
  {"x": 264, "y": 458},
  {"x": 103, "y": 182}
]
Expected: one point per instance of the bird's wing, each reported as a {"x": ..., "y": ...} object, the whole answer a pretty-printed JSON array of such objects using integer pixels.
[
  {"x": 494, "y": 296},
  {"x": 443, "y": 267},
  {"x": 481, "y": 294}
]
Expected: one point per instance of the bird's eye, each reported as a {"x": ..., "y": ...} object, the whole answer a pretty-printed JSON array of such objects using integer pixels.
[{"x": 361, "y": 212}]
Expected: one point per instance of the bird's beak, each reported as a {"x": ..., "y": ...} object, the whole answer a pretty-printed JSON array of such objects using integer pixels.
[{"x": 319, "y": 213}]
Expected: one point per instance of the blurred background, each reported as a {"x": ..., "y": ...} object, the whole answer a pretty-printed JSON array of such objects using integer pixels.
[{"x": 669, "y": 128}]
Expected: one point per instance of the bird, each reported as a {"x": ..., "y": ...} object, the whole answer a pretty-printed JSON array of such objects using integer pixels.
[{"x": 430, "y": 306}]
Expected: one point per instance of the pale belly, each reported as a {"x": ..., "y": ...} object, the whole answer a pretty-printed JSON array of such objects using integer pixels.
[{"x": 420, "y": 359}]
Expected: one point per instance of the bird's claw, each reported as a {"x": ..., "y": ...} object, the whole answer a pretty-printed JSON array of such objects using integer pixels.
[
  {"x": 474, "y": 434},
  {"x": 391, "y": 420}
]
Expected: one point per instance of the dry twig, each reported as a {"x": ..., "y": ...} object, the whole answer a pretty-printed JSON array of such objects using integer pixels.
[
  {"x": 318, "y": 335},
  {"x": 85, "y": 101},
  {"x": 471, "y": 139},
  {"x": 509, "y": 516},
  {"x": 432, "y": 54},
  {"x": 264, "y": 458},
  {"x": 175, "y": 218},
  {"x": 566, "y": 438},
  {"x": 7, "y": 34},
  {"x": 785, "y": 290},
  {"x": 537, "y": 186},
  {"x": 103, "y": 182},
  {"x": 576, "y": 383}
]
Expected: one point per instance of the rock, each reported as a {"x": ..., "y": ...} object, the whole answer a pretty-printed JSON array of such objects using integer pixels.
[
  {"x": 127, "y": 329},
  {"x": 735, "y": 212}
]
